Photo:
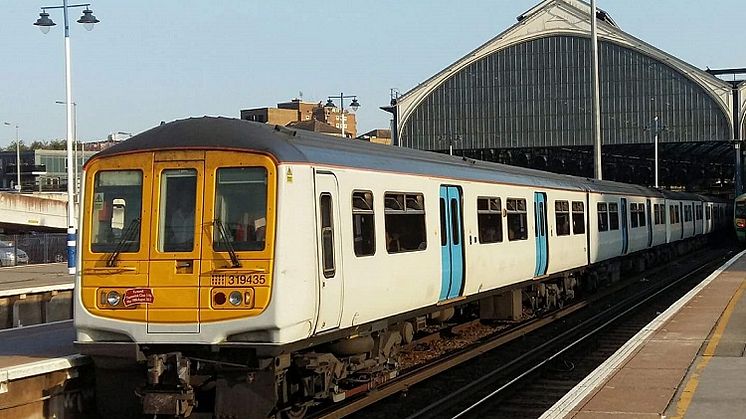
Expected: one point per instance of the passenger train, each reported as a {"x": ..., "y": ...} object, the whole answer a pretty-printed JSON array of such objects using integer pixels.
[{"x": 262, "y": 270}]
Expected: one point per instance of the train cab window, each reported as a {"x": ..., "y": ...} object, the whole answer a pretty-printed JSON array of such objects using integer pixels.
[
  {"x": 327, "y": 235},
  {"x": 578, "y": 217},
  {"x": 405, "y": 222},
  {"x": 634, "y": 221},
  {"x": 641, "y": 214},
  {"x": 241, "y": 207},
  {"x": 613, "y": 216},
  {"x": 562, "y": 217},
  {"x": 363, "y": 223},
  {"x": 115, "y": 211},
  {"x": 603, "y": 216},
  {"x": 517, "y": 219},
  {"x": 489, "y": 220},
  {"x": 178, "y": 196}
]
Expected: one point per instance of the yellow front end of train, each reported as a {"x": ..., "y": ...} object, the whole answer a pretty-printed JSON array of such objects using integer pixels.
[{"x": 174, "y": 239}]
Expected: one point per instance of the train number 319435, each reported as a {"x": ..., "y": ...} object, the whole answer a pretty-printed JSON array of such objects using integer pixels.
[{"x": 238, "y": 279}]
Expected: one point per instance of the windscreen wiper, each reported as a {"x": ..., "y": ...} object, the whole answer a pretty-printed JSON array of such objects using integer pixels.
[
  {"x": 235, "y": 263},
  {"x": 128, "y": 235}
]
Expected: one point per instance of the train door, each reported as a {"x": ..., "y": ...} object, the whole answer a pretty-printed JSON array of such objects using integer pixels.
[
  {"x": 329, "y": 251},
  {"x": 451, "y": 243},
  {"x": 681, "y": 218},
  {"x": 540, "y": 223},
  {"x": 625, "y": 233},
  {"x": 650, "y": 224},
  {"x": 174, "y": 267}
]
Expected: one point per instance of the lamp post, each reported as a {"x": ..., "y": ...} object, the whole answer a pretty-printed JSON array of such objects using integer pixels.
[
  {"x": 76, "y": 189},
  {"x": 18, "y": 158},
  {"x": 45, "y": 24},
  {"x": 354, "y": 106},
  {"x": 596, "y": 97}
]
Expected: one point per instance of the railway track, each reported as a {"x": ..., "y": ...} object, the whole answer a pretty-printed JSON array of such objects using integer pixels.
[{"x": 521, "y": 371}]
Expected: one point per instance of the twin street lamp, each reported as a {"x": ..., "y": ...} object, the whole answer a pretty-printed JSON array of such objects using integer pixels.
[
  {"x": 354, "y": 106},
  {"x": 45, "y": 24}
]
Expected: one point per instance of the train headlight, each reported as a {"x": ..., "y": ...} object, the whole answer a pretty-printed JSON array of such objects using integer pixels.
[
  {"x": 113, "y": 298},
  {"x": 235, "y": 298}
]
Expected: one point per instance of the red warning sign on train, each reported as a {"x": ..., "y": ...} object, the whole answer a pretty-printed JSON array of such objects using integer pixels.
[{"x": 136, "y": 296}]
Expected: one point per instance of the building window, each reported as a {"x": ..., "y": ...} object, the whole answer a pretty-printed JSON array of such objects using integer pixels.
[
  {"x": 613, "y": 216},
  {"x": 405, "y": 222},
  {"x": 578, "y": 217},
  {"x": 562, "y": 217},
  {"x": 517, "y": 219},
  {"x": 363, "y": 223},
  {"x": 489, "y": 220},
  {"x": 603, "y": 217}
]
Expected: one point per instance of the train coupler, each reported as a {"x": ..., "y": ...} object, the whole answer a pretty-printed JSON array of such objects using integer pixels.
[{"x": 168, "y": 391}]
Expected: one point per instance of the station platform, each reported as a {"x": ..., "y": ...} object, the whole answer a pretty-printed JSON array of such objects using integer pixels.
[
  {"x": 687, "y": 363},
  {"x": 39, "y": 367},
  {"x": 31, "y": 279}
]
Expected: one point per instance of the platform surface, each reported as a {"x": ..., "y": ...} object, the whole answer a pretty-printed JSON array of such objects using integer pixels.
[
  {"x": 34, "y": 278},
  {"x": 688, "y": 363},
  {"x": 34, "y": 350}
]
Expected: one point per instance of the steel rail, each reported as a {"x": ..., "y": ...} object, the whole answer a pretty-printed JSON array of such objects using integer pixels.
[{"x": 569, "y": 332}]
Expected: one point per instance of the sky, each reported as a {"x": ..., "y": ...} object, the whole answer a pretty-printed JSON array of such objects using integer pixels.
[{"x": 152, "y": 61}]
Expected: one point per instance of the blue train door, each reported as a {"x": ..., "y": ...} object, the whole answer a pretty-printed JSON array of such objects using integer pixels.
[
  {"x": 625, "y": 235},
  {"x": 650, "y": 224},
  {"x": 451, "y": 243},
  {"x": 540, "y": 222}
]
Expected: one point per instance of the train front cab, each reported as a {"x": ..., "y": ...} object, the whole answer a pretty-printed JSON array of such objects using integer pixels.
[
  {"x": 739, "y": 218},
  {"x": 178, "y": 246}
]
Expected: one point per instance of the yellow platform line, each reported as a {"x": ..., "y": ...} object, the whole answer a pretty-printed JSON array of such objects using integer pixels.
[{"x": 691, "y": 386}]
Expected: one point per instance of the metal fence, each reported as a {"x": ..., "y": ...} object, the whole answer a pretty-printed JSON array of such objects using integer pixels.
[{"x": 22, "y": 249}]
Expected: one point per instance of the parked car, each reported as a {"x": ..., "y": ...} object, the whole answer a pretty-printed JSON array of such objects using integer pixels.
[
  {"x": 11, "y": 256},
  {"x": 44, "y": 247}
]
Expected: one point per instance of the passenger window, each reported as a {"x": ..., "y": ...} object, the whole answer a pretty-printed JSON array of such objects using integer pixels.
[
  {"x": 363, "y": 223},
  {"x": 613, "y": 216},
  {"x": 641, "y": 214},
  {"x": 405, "y": 222},
  {"x": 443, "y": 226},
  {"x": 517, "y": 219},
  {"x": 241, "y": 207},
  {"x": 578, "y": 217},
  {"x": 116, "y": 208},
  {"x": 603, "y": 217},
  {"x": 562, "y": 217},
  {"x": 708, "y": 213},
  {"x": 633, "y": 215},
  {"x": 178, "y": 191},
  {"x": 671, "y": 214},
  {"x": 489, "y": 220},
  {"x": 455, "y": 226},
  {"x": 327, "y": 234},
  {"x": 656, "y": 215}
]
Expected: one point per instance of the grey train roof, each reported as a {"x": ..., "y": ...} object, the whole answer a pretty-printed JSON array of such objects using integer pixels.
[{"x": 287, "y": 145}]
